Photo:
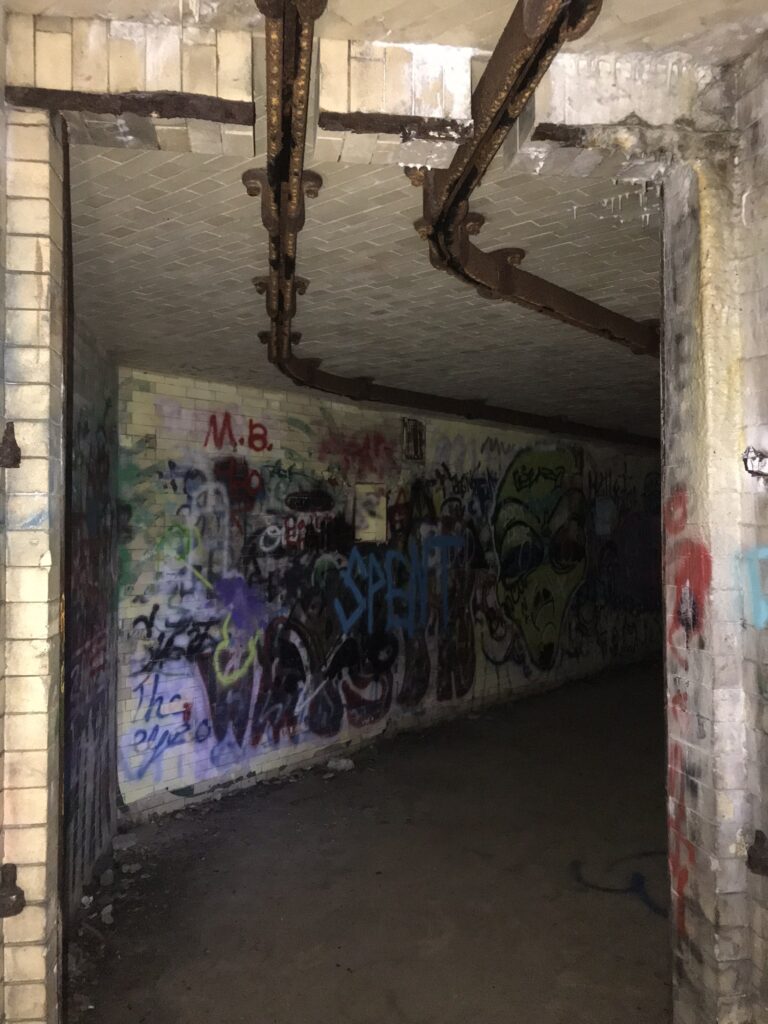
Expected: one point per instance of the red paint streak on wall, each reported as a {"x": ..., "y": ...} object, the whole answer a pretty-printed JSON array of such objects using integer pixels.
[
  {"x": 691, "y": 565},
  {"x": 676, "y": 512},
  {"x": 369, "y": 455},
  {"x": 682, "y": 852},
  {"x": 243, "y": 486},
  {"x": 693, "y": 576}
]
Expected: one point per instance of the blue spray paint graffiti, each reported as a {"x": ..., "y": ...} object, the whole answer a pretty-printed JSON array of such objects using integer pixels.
[
  {"x": 257, "y": 622},
  {"x": 167, "y": 724},
  {"x": 367, "y": 571},
  {"x": 756, "y": 564}
]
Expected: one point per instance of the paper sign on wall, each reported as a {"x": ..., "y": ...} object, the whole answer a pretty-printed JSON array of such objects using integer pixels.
[{"x": 371, "y": 513}]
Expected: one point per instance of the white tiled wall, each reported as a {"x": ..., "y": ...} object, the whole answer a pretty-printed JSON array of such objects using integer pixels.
[
  {"x": 164, "y": 423},
  {"x": 34, "y": 523}
]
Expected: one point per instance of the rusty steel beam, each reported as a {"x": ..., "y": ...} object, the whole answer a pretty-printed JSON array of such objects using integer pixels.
[
  {"x": 282, "y": 186},
  {"x": 307, "y": 372},
  {"x": 407, "y": 126},
  {"x": 143, "y": 104},
  {"x": 532, "y": 38}
]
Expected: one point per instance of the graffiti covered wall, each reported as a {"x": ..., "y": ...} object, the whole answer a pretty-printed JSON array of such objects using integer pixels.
[
  {"x": 91, "y": 639},
  {"x": 258, "y": 627}
]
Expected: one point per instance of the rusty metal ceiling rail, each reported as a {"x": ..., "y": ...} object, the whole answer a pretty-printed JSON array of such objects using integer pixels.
[
  {"x": 527, "y": 47},
  {"x": 283, "y": 185}
]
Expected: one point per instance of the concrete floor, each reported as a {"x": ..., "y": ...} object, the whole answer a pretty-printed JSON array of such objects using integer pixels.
[{"x": 435, "y": 883}]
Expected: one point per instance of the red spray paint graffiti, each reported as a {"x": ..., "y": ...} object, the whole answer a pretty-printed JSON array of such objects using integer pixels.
[
  {"x": 682, "y": 852},
  {"x": 690, "y": 565},
  {"x": 371, "y": 455},
  {"x": 221, "y": 432}
]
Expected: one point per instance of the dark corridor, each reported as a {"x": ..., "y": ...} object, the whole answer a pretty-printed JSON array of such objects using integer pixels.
[{"x": 436, "y": 882}]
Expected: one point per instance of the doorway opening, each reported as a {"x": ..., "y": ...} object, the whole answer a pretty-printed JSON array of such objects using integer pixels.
[{"x": 297, "y": 579}]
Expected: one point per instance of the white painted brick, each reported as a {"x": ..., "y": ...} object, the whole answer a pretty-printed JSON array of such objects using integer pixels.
[
  {"x": 26, "y": 584},
  {"x": 31, "y": 477},
  {"x": 53, "y": 60},
  {"x": 27, "y": 291},
  {"x": 32, "y": 879},
  {"x": 27, "y": 657},
  {"x": 90, "y": 55},
  {"x": 25, "y": 547},
  {"x": 28, "y": 252},
  {"x": 25, "y": 1002},
  {"x": 197, "y": 35},
  {"x": 334, "y": 75},
  {"x": 53, "y": 23},
  {"x": 26, "y": 732},
  {"x": 456, "y": 101},
  {"x": 20, "y": 49},
  {"x": 30, "y": 217},
  {"x": 27, "y": 511},
  {"x": 29, "y": 142},
  {"x": 198, "y": 67},
  {"x": 234, "y": 65},
  {"x": 164, "y": 58},
  {"x": 24, "y": 963},
  {"x": 27, "y": 365},
  {"x": 427, "y": 85},
  {"x": 26, "y": 806},
  {"x": 27, "y": 401},
  {"x": 27, "y": 116},
  {"x": 34, "y": 439},
  {"x": 25, "y": 695},
  {"x": 26, "y": 846},
  {"x": 366, "y": 80},
  {"x": 398, "y": 85},
  {"x": 127, "y": 50}
]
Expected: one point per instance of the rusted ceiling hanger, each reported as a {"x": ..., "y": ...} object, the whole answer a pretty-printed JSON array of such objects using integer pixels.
[
  {"x": 532, "y": 38},
  {"x": 527, "y": 47}
]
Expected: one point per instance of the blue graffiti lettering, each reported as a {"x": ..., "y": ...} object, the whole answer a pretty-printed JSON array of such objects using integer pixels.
[
  {"x": 407, "y": 607},
  {"x": 155, "y": 736},
  {"x": 397, "y": 594}
]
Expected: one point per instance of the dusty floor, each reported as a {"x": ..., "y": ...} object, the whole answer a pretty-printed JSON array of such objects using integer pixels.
[{"x": 435, "y": 883}]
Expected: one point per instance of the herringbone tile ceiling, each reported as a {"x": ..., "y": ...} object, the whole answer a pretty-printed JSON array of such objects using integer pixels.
[
  {"x": 623, "y": 24},
  {"x": 714, "y": 28},
  {"x": 166, "y": 245}
]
